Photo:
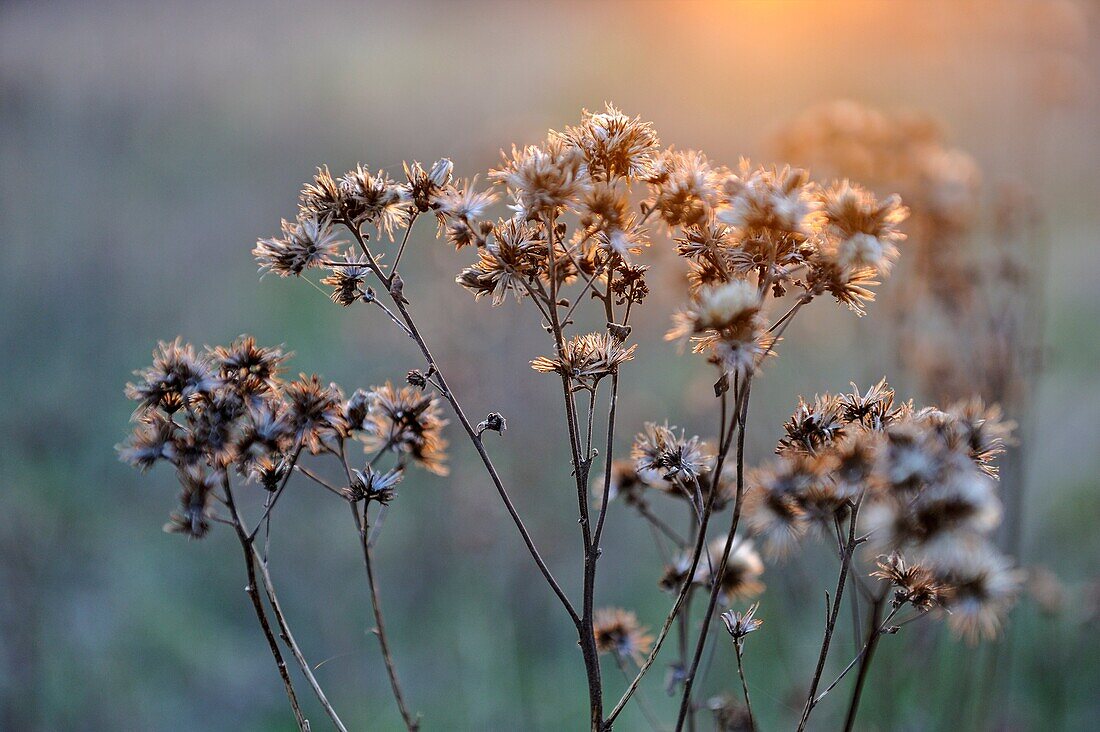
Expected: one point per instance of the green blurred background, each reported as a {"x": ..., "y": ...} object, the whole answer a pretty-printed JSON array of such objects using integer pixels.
[{"x": 145, "y": 146}]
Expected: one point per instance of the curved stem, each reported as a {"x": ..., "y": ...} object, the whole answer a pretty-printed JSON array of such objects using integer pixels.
[
  {"x": 257, "y": 605},
  {"x": 830, "y": 625},
  {"x": 288, "y": 638},
  {"x": 864, "y": 666},
  {"x": 475, "y": 439},
  {"x": 700, "y": 543},
  {"x": 744, "y": 684},
  {"x": 580, "y": 472},
  {"x": 412, "y": 722},
  {"x": 716, "y": 575}
]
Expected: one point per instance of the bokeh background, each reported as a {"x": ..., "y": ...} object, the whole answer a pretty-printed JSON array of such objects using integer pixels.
[{"x": 145, "y": 146}]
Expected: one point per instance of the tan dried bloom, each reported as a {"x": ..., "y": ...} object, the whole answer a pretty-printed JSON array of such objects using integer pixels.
[
  {"x": 408, "y": 422},
  {"x": 514, "y": 255},
  {"x": 315, "y": 411},
  {"x": 175, "y": 378},
  {"x": 587, "y": 357},
  {"x": 250, "y": 370},
  {"x": 740, "y": 580},
  {"x": 683, "y": 188},
  {"x": 325, "y": 199},
  {"x": 613, "y": 144},
  {"x": 618, "y": 632},
  {"x": 916, "y": 585},
  {"x": 739, "y": 624},
  {"x": 724, "y": 323},
  {"x": 604, "y": 216},
  {"x": 374, "y": 199},
  {"x": 812, "y": 426},
  {"x": 768, "y": 203},
  {"x": 346, "y": 280},
  {"x": 543, "y": 180},
  {"x": 305, "y": 243},
  {"x": 196, "y": 503},
  {"x": 984, "y": 587},
  {"x": 675, "y": 457},
  {"x": 861, "y": 231}
]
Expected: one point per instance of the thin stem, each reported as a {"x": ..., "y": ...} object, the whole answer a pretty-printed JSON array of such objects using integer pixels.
[
  {"x": 700, "y": 542},
  {"x": 744, "y": 684},
  {"x": 401, "y": 249},
  {"x": 257, "y": 605},
  {"x": 278, "y": 494},
  {"x": 871, "y": 639},
  {"x": 320, "y": 481},
  {"x": 412, "y": 722},
  {"x": 716, "y": 576},
  {"x": 607, "y": 462},
  {"x": 650, "y": 717},
  {"x": 864, "y": 666},
  {"x": 475, "y": 439},
  {"x": 845, "y": 563},
  {"x": 658, "y": 523},
  {"x": 288, "y": 638},
  {"x": 580, "y": 470}
]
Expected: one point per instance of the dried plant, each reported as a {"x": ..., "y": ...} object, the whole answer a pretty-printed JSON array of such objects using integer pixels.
[{"x": 908, "y": 495}]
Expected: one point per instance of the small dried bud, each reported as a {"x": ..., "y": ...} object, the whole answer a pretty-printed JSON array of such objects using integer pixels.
[
  {"x": 618, "y": 332},
  {"x": 417, "y": 378},
  {"x": 397, "y": 285},
  {"x": 493, "y": 422}
]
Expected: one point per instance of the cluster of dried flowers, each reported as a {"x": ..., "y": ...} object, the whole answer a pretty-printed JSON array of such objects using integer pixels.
[{"x": 916, "y": 486}]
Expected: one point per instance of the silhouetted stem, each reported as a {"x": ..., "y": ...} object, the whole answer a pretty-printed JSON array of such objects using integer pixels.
[
  {"x": 475, "y": 438},
  {"x": 258, "y": 607},
  {"x": 288, "y": 638},
  {"x": 830, "y": 625},
  {"x": 744, "y": 684},
  {"x": 412, "y": 722}
]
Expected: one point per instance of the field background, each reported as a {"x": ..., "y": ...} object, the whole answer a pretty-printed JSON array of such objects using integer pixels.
[{"x": 145, "y": 146}]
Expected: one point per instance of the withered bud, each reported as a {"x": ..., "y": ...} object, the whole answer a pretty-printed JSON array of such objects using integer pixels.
[
  {"x": 494, "y": 422},
  {"x": 417, "y": 378},
  {"x": 618, "y": 332}
]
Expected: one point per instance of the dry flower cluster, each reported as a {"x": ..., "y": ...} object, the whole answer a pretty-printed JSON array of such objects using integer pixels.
[{"x": 908, "y": 495}]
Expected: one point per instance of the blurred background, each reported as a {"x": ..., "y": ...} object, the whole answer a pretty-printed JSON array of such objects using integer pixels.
[{"x": 145, "y": 146}]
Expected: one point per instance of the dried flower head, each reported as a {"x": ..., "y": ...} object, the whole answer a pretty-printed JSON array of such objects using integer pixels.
[
  {"x": 740, "y": 578},
  {"x": 812, "y": 426},
  {"x": 371, "y": 485},
  {"x": 984, "y": 586},
  {"x": 739, "y": 624},
  {"x": 683, "y": 187},
  {"x": 659, "y": 449},
  {"x": 543, "y": 180},
  {"x": 196, "y": 503},
  {"x": 347, "y": 279},
  {"x": 407, "y": 421},
  {"x": 176, "y": 377},
  {"x": 724, "y": 322},
  {"x": 587, "y": 358},
  {"x": 315, "y": 411},
  {"x": 917, "y": 585},
  {"x": 861, "y": 231},
  {"x": 250, "y": 370},
  {"x": 306, "y": 242},
  {"x": 617, "y": 632},
  {"x": 613, "y": 144},
  {"x": 373, "y": 199}
]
